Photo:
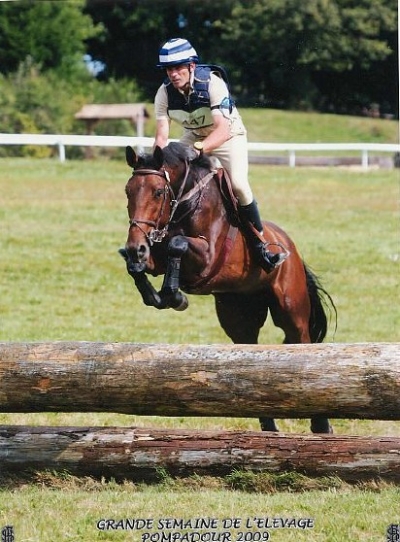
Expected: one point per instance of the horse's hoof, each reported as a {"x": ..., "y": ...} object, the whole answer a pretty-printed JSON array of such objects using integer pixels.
[
  {"x": 321, "y": 425},
  {"x": 173, "y": 299},
  {"x": 183, "y": 305}
]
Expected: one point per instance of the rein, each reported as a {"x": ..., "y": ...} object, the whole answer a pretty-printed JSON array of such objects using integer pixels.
[{"x": 156, "y": 235}]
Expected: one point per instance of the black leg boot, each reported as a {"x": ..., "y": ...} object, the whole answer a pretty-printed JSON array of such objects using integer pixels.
[{"x": 250, "y": 216}]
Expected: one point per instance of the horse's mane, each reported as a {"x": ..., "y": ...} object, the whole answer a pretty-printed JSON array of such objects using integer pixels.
[{"x": 176, "y": 152}]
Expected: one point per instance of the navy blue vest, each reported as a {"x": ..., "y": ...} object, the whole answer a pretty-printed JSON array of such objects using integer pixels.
[
  {"x": 200, "y": 97},
  {"x": 194, "y": 111}
]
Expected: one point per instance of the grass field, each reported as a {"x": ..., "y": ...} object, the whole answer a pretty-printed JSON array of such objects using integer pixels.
[{"x": 62, "y": 279}]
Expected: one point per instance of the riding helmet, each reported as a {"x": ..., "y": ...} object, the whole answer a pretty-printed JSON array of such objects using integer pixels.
[{"x": 177, "y": 51}]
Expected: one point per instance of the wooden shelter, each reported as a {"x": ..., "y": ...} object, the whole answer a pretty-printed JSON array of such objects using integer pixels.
[{"x": 93, "y": 113}]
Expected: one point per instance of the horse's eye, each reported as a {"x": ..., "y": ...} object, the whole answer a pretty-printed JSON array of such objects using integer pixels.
[{"x": 158, "y": 193}]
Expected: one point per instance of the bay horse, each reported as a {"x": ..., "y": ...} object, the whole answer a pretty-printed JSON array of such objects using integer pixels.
[{"x": 183, "y": 225}]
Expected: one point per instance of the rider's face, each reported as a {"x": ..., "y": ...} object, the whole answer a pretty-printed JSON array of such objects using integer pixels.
[{"x": 180, "y": 75}]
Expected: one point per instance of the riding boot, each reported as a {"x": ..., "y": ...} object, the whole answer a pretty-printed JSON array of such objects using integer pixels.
[{"x": 250, "y": 218}]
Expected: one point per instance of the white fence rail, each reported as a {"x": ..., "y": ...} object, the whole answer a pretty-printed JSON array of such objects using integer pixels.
[{"x": 62, "y": 141}]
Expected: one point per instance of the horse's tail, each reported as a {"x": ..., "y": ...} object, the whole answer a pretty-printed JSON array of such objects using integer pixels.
[{"x": 320, "y": 300}]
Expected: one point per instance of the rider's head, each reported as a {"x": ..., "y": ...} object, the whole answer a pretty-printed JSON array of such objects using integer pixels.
[{"x": 178, "y": 57}]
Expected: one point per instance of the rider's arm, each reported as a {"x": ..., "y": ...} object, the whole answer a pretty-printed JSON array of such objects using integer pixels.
[
  {"x": 162, "y": 119},
  {"x": 220, "y": 134},
  {"x": 162, "y": 133},
  {"x": 221, "y": 130}
]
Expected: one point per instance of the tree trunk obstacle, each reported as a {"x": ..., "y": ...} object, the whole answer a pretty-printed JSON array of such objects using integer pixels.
[
  {"x": 247, "y": 381},
  {"x": 137, "y": 453},
  {"x": 287, "y": 381}
]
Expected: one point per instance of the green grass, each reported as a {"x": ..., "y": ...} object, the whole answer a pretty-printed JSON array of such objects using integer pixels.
[
  {"x": 73, "y": 511},
  {"x": 62, "y": 279}
]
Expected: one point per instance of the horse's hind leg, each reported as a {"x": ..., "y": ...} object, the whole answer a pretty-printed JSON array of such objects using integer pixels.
[
  {"x": 290, "y": 310},
  {"x": 241, "y": 317},
  {"x": 320, "y": 424}
]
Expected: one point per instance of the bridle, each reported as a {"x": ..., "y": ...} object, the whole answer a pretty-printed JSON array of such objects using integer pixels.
[{"x": 157, "y": 234}]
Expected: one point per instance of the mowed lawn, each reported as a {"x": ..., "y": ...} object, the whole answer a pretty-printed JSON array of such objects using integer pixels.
[{"x": 62, "y": 279}]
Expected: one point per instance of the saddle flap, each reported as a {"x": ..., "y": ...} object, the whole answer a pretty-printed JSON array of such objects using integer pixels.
[{"x": 228, "y": 196}]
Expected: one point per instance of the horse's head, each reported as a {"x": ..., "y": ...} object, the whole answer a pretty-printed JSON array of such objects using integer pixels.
[
  {"x": 154, "y": 190},
  {"x": 148, "y": 192}
]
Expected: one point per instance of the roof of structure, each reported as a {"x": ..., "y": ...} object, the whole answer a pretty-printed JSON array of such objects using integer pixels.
[{"x": 112, "y": 111}]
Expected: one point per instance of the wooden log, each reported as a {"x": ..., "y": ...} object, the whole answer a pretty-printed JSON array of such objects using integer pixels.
[
  {"x": 286, "y": 381},
  {"x": 137, "y": 453}
]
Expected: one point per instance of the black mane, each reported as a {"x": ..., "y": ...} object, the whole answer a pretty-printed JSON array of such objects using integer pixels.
[{"x": 176, "y": 152}]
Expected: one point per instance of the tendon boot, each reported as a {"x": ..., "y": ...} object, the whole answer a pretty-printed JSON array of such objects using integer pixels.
[{"x": 251, "y": 221}]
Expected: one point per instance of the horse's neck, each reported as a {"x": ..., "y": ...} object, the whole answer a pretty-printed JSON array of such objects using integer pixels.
[{"x": 212, "y": 197}]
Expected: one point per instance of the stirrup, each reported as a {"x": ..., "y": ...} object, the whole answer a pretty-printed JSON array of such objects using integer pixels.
[{"x": 272, "y": 260}]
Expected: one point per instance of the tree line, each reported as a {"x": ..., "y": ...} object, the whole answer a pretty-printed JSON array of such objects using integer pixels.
[
  {"x": 338, "y": 55},
  {"x": 325, "y": 55}
]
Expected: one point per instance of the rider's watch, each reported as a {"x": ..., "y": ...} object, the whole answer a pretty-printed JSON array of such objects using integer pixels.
[{"x": 199, "y": 147}]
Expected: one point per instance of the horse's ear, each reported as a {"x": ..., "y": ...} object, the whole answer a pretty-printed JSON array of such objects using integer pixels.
[
  {"x": 158, "y": 156},
  {"x": 131, "y": 158}
]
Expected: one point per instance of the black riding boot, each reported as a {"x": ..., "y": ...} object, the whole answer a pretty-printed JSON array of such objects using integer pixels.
[{"x": 249, "y": 214}]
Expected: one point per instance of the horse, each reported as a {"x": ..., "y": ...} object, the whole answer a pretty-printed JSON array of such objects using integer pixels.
[{"x": 183, "y": 225}]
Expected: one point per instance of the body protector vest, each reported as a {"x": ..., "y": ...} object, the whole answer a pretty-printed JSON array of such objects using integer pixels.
[{"x": 193, "y": 112}]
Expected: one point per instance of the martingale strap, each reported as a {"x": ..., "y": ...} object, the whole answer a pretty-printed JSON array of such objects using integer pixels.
[{"x": 199, "y": 186}]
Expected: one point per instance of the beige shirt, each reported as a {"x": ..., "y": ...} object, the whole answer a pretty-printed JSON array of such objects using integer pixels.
[{"x": 200, "y": 121}]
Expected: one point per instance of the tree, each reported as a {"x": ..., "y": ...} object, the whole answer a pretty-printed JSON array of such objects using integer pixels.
[
  {"x": 134, "y": 30},
  {"x": 52, "y": 34},
  {"x": 289, "y": 48}
]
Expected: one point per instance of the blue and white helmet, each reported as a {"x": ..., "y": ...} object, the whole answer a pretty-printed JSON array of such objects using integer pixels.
[{"x": 177, "y": 51}]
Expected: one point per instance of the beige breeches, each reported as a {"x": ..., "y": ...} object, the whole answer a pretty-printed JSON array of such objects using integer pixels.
[{"x": 234, "y": 158}]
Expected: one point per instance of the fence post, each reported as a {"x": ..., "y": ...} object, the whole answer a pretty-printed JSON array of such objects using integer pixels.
[
  {"x": 61, "y": 151},
  {"x": 292, "y": 158},
  {"x": 364, "y": 159}
]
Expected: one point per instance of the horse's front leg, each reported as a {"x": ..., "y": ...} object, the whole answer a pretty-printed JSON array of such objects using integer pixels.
[{"x": 169, "y": 293}]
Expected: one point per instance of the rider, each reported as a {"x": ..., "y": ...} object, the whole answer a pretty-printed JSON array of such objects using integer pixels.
[{"x": 198, "y": 99}]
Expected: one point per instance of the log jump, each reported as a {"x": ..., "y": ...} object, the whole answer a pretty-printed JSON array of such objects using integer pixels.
[
  {"x": 137, "y": 453},
  {"x": 285, "y": 381}
]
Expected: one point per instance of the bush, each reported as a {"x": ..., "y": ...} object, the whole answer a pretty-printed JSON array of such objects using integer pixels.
[{"x": 36, "y": 102}]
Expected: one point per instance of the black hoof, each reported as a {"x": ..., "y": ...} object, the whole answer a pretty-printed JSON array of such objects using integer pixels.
[
  {"x": 173, "y": 300},
  {"x": 321, "y": 425},
  {"x": 268, "y": 424},
  {"x": 180, "y": 303}
]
